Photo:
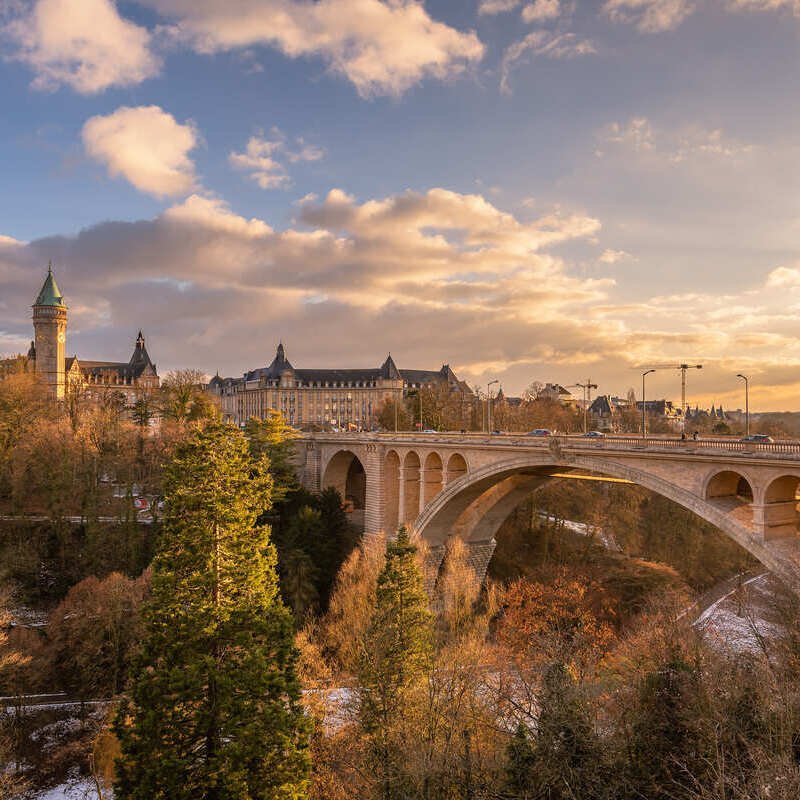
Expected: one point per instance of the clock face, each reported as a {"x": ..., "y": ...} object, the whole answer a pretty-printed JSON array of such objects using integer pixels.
[{"x": 61, "y": 338}]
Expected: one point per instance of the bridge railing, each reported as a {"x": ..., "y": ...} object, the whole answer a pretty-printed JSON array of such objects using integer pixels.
[{"x": 610, "y": 442}]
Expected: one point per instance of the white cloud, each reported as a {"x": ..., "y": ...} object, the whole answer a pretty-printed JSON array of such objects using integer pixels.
[
  {"x": 260, "y": 158},
  {"x": 83, "y": 44},
  {"x": 784, "y": 278},
  {"x": 146, "y": 146},
  {"x": 613, "y": 256},
  {"x": 650, "y": 16},
  {"x": 765, "y": 5},
  {"x": 433, "y": 276},
  {"x": 544, "y": 44},
  {"x": 381, "y": 47},
  {"x": 488, "y": 7},
  {"x": 541, "y": 10},
  {"x": 639, "y": 136}
]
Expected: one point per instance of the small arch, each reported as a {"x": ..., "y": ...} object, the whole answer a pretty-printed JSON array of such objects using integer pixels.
[
  {"x": 391, "y": 509},
  {"x": 781, "y": 515},
  {"x": 729, "y": 485},
  {"x": 456, "y": 467},
  {"x": 433, "y": 477},
  {"x": 346, "y": 474},
  {"x": 411, "y": 467}
]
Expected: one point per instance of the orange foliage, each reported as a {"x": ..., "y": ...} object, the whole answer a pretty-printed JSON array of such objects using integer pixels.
[{"x": 556, "y": 621}]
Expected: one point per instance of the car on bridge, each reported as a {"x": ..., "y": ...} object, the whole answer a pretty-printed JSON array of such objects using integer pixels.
[
  {"x": 594, "y": 435},
  {"x": 757, "y": 437},
  {"x": 540, "y": 432}
]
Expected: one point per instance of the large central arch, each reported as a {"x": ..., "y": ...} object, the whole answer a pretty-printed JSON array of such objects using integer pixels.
[{"x": 474, "y": 505}]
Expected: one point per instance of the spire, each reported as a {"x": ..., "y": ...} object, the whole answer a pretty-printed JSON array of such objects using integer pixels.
[
  {"x": 389, "y": 370},
  {"x": 50, "y": 294},
  {"x": 140, "y": 359}
]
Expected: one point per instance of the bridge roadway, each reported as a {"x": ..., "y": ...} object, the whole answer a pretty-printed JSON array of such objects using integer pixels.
[{"x": 446, "y": 485}]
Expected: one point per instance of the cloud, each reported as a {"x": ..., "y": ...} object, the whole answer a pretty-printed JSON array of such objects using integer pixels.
[
  {"x": 650, "y": 16},
  {"x": 86, "y": 45},
  {"x": 613, "y": 256},
  {"x": 544, "y": 44},
  {"x": 765, "y": 5},
  {"x": 489, "y": 7},
  {"x": 382, "y": 48},
  {"x": 784, "y": 277},
  {"x": 541, "y": 10},
  {"x": 260, "y": 158},
  {"x": 639, "y": 136},
  {"x": 146, "y": 146},
  {"x": 432, "y": 276}
]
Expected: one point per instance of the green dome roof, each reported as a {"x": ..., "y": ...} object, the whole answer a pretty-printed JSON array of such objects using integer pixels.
[{"x": 50, "y": 294}]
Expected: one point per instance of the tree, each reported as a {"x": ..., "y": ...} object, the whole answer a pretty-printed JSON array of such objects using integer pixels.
[
  {"x": 274, "y": 437},
  {"x": 184, "y": 399},
  {"x": 568, "y": 757},
  {"x": 215, "y": 710},
  {"x": 520, "y": 765},
  {"x": 93, "y": 633},
  {"x": 669, "y": 737},
  {"x": 400, "y": 637}
]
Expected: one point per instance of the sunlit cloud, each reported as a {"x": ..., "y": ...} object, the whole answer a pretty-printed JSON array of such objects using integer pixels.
[
  {"x": 85, "y": 45},
  {"x": 382, "y": 48},
  {"x": 146, "y": 146}
]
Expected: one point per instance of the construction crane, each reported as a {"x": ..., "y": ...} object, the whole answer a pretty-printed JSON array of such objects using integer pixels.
[{"x": 682, "y": 368}]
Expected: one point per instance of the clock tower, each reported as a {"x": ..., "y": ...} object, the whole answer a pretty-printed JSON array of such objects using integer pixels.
[{"x": 50, "y": 326}]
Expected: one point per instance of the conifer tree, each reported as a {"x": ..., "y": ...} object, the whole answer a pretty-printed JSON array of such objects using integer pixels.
[
  {"x": 395, "y": 658},
  {"x": 568, "y": 760},
  {"x": 273, "y": 437},
  {"x": 520, "y": 765},
  {"x": 214, "y": 711},
  {"x": 670, "y": 742}
]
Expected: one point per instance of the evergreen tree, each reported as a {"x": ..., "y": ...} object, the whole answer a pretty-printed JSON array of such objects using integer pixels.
[
  {"x": 214, "y": 712},
  {"x": 670, "y": 741},
  {"x": 520, "y": 766},
  {"x": 396, "y": 656},
  {"x": 568, "y": 760},
  {"x": 273, "y": 437}
]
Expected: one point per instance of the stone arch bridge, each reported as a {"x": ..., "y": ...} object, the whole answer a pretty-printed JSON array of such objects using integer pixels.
[{"x": 466, "y": 485}]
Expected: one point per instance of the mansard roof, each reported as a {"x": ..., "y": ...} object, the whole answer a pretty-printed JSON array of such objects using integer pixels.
[
  {"x": 387, "y": 371},
  {"x": 139, "y": 364},
  {"x": 50, "y": 294}
]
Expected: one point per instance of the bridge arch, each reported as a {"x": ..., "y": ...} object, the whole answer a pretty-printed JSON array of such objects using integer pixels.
[
  {"x": 456, "y": 467},
  {"x": 345, "y": 473},
  {"x": 411, "y": 484},
  {"x": 782, "y": 506},
  {"x": 475, "y": 505},
  {"x": 433, "y": 477},
  {"x": 391, "y": 491}
]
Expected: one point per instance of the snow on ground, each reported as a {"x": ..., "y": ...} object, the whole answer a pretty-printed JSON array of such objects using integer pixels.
[
  {"x": 74, "y": 790},
  {"x": 743, "y": 620}
]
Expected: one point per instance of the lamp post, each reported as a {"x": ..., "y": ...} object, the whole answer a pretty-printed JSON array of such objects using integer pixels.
[
  {"x": 587, "y": 400},
  {"x": 489, "y": 405},
  {"x": 644, "y": 404},
  {"x": 746, "y": 403}
]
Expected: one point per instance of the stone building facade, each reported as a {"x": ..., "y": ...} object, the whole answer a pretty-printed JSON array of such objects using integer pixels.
[
  {"x": 326, "y": 398},
  {"x": 95, "y": 379}
]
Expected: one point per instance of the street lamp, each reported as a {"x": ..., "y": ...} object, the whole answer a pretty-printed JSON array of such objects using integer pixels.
[
  {"x": 644, "y": 405},
  {"x": 746, "y": 403},
  {"x": 489, "y": 405},
  {"x": 587, "y": 399}
]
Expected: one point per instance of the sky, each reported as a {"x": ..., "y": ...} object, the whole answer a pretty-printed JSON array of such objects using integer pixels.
[{"x": 528, "y": 190}]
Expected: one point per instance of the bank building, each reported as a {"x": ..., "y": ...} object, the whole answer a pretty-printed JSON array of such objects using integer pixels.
[{"x": 328, "y": 398}]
